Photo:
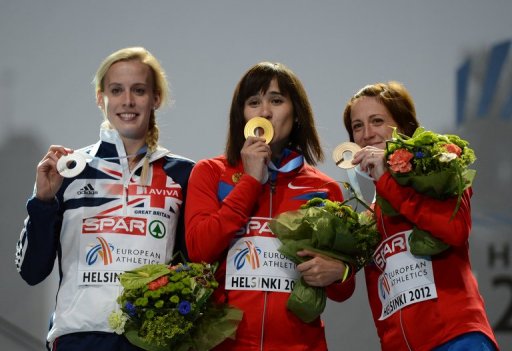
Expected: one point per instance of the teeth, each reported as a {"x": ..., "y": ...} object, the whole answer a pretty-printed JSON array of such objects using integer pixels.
[{"x": 127, "y": 115}]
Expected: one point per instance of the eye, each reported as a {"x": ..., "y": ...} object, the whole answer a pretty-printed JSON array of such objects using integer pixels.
[
  {"x": 252, "y": 102},
  {"x": 139, "y": 90},
  {"x": 377, "y": 121},
  {"x": 357, "y": 126},
  {"x": 277, "y": 101},
  {"x": 116, "y": 90}
]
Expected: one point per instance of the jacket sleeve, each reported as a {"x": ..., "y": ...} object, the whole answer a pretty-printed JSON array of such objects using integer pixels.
[
  {"x": 179, "y": 170},
  {"x": 210, "y": 224},
  {"x": 38, "y": 245},
  {"x": 427, "y": 213},
  {"x": 339, "y": 291}
]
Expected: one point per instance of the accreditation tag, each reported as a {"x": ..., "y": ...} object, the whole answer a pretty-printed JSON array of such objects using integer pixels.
[
  {"x": 406, "y": 279},
  {"x": 254, "y": 263}
]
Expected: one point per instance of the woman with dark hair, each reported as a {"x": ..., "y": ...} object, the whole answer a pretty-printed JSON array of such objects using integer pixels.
[
  {"x": 419, "y": 303},
  {"x": 233, "y": 197}
]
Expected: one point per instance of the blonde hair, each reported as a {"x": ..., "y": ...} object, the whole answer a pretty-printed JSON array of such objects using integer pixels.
[{"x": 160, "y": 87}]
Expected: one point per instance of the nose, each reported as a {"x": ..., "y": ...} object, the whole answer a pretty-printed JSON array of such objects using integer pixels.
[
  {"x": 368, "y": 131},
  {"x": 128, "y": 99},
  {"x": 265, "y": 110}
]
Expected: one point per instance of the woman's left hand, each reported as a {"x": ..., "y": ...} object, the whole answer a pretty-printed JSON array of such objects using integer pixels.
[
  {"x": 371, "y": 161},
  {"x": 320, "y": 270}
]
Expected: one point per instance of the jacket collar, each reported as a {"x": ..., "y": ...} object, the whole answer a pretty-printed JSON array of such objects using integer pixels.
[{"x": 111, "y": 136}]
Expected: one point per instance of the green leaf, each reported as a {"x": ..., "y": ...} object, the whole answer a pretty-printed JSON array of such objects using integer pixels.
[
  {"x": 134, "y": 338},
  {"x": 422, "y": 243},
  {"x": 141, "y": 276},
  {"x": 385, "y": 206},
  {"x": 307, "y": 302},
  {"x": 213, "y": 328}
]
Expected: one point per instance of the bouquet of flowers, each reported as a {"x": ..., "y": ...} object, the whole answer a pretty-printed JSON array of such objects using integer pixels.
[
  {"x": 331, "y": 228},
  {"x": 168, "y": 308},
  {"x": 433, "y": 164}
]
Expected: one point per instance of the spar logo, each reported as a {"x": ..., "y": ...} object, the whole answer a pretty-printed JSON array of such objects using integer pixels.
[
  {"x": 389, "y": 247},
  {"x": 157, "y": 229},
  {"x": 114, "y": 225},
  {"x": 101, "y": 252},
  {"x": 256, "y": 226},
  {"x": 249, "y": 254}
]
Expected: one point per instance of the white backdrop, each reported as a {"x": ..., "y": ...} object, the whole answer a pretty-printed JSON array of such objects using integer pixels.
[{"x": 50, "y": 51}]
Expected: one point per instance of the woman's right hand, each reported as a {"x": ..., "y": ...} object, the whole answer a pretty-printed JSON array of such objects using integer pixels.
[
  {"x": 255, "y": 157},
  {"x": 372, "y": 161},
  {"x": 48, "y": 179}
]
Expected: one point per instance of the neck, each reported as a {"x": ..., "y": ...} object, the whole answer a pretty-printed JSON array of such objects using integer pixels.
[
  {"x": 131, "y": 147},
  {"x": 277, "y": 151}
]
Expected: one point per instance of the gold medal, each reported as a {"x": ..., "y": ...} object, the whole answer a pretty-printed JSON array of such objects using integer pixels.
[
  {"x": 259, "y": 127},
  {"x": 344, "y": 153}
]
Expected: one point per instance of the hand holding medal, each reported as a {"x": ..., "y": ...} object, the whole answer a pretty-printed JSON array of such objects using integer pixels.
[{"x": 259, "y": 127}]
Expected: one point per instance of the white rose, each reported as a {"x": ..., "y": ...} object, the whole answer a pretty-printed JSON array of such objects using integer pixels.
[{"x": 446, "y": 157}]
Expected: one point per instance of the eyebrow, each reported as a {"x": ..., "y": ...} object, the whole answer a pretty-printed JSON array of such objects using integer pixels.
[{"x": 135, "y": 84}]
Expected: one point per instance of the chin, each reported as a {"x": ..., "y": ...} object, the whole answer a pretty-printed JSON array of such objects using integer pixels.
[{"x": 128, "y": 134}]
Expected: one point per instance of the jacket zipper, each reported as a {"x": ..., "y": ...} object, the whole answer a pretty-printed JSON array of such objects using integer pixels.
[
  {"x": 402, "y": 326},
  {"x": 126, "y": 182},
  {"x": 125, "y": 205},
  {"x": 272, "y": 186}
]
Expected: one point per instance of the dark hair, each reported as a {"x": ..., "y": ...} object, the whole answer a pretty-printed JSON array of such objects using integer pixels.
[
  {"x": 303, "y": 136},
  {"x": 397, "y": 100}
]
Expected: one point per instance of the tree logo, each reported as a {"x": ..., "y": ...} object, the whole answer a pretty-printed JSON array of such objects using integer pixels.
[{"x": 157, "y": 229}]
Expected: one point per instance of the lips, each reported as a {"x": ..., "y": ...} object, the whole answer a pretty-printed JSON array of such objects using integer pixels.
[{"x": 127, "y": 116}]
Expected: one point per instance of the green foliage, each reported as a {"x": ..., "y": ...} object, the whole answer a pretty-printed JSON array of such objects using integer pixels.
[
  {"x": 436, "y": 171},
  {"x": 439, "y": 170},
  {"x": 330, "y": 228},
  {"x": 427, "y": 147},
  {"x": 306, "y": 301},
  {"x": 162, "y": 307},
  {"x": 139, "y": 277},
  {"x": 349, "y": 234}
]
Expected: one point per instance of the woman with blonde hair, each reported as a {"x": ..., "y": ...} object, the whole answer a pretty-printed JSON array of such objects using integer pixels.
[{"x": 109, "y": 207}]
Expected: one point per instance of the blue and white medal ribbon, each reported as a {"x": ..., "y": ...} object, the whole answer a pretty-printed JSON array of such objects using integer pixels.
[{"x": 294, "y": 163}]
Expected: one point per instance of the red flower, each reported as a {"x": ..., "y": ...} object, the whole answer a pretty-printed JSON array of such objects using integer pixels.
[
  {"x": 157, "y": 283},
  {"x": 399, "y": 161},
  {"x": 454, "y": 149}
]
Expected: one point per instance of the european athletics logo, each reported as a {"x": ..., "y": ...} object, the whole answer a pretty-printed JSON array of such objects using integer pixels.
[
  {"x": 249, "y": 254},
  {"x": 384, "y": 288},
  {"x": 102, "y": 250}
]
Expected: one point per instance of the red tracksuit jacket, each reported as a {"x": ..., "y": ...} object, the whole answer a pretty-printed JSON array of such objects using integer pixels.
[
  {"x": 221, "y": 201},
  {"x": 458, "y": 308}
]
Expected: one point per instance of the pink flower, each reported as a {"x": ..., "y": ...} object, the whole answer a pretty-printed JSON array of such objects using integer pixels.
[
  {"x": 399, "y": 161},
  {"x": 454, "y": 149},
  {"x": 157, "y": 283}
]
